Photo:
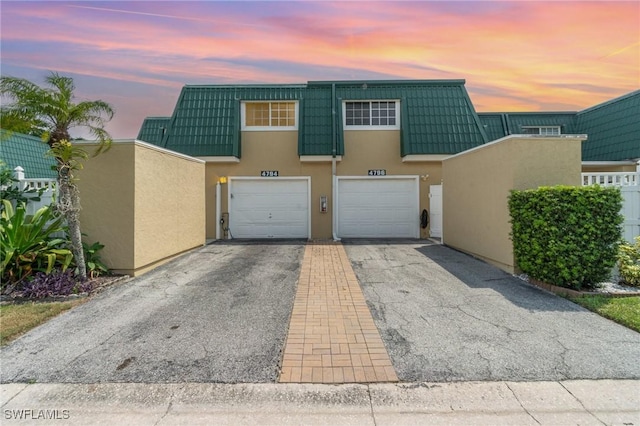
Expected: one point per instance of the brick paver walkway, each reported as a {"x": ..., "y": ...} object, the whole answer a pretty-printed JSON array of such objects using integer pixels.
[{"x": 332, "y": 337}]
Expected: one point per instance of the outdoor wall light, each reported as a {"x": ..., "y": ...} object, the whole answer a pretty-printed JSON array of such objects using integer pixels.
[{"x": 222, "y": 179}]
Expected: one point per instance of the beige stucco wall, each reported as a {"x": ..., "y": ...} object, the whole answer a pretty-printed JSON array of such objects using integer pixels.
[
  {"x": 107, "y": 193},
  {"x": 145, "y": 204},
  {"x": 278, "y": 150},
  {"x": 476, "y": 187}
]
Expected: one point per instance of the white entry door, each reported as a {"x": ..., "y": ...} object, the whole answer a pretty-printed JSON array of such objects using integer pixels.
[
  {"x": 269, "y": 207},
  {"x": 378, "y": 207},
  {"x": 435, "y": 210}
]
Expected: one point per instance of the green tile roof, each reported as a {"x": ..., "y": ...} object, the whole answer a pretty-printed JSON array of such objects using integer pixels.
[
  {"x": 153, "y": 129},
  {"x": 206, "y": 119},
  {"x": 437, "y": 116},
  {"x": 28, "y": 152},
  {"x": 501, "y": 124},
  {"x": 495, "y": 124},
  {"x": 613, "y": 129}
]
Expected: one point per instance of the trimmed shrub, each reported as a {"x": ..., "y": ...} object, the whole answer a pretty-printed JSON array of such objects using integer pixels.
[
  {"x": 629, "y": 263},
  {"x": 565, "y": 235}
]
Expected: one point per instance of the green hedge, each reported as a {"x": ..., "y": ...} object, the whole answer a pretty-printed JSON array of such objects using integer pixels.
[{"x": 565, "y": 235}]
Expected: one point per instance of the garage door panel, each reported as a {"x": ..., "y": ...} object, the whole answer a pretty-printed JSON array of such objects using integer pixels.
[
  {"x": 378, "y": 208},
  {"x": 273, "y": 208}
]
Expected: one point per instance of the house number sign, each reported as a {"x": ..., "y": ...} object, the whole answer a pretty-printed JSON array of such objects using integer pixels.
[
  {"x": 269, "y": 173},
  {"x": 378, "y": 172}
]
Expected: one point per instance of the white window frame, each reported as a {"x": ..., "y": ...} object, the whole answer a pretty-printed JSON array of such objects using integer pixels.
[
  {"x": 243, "y": 117},
  {"x": 371, "y": 126},
  {"x": 540, "y": 130}
]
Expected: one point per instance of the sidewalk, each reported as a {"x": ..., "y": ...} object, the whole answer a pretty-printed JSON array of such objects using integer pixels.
[{"x": 582, "y": 402}]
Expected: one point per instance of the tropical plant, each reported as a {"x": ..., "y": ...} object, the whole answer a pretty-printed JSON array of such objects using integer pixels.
[
  {"x": 95, "y": 267},
  {"x": 52, "y": 112},
  {"x": 28, "y": 243}
]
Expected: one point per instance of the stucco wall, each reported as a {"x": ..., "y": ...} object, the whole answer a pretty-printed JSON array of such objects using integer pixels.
[
  {"x": 145, "y": 204},
  {"x": 169, "y": 205},
  {"x": 476, "y": 187},
  {"x": 107, "y": 193},
  {"x": 364, "y": 150}
]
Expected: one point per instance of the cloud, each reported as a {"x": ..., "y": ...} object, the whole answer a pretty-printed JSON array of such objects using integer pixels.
[{"x": 514, "y": 55}]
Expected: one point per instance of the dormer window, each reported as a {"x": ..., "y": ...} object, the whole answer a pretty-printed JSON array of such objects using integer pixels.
[
  {"x": 371, "y": 115},
  {"x": 269, "y": 115},
  {"x": 541, "y": 130}
]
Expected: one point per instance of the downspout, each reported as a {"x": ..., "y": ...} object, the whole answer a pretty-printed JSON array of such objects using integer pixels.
[
  {"x": 218, "y": 211},
  {"x": 334, "y": 150}
]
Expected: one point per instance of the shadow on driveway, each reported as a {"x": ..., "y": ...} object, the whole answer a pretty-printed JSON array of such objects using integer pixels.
[{"x": 446, "y": 316}]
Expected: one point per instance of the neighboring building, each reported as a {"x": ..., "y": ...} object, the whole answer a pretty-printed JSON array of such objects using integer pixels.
[
  {"x": 352, "y": 159},
  {"x": 28, "y": 152},
  {"x": 612, "y": 127}
]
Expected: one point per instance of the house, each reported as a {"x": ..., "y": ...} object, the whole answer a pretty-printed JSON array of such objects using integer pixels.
[
  {"x": 28, "y": 152},
  {"x": 286, "y": 151},
  {"x": 344, "y": 159}
]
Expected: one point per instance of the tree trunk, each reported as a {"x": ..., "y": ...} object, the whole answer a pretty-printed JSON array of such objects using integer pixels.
[{"x": 69, "y": 206}]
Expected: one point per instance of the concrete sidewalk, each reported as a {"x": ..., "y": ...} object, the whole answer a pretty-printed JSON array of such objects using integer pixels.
[{"x": 583, "y": 402}]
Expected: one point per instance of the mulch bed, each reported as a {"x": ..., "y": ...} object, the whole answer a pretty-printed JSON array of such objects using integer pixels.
[{"x": 606, "y": 289}]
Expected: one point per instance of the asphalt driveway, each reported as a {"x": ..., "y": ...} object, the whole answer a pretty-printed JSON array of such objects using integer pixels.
[
  {"x": 217, "y": 314},
  {"x": 445, "y": 316},
  {"x": 220, "y": 314}
]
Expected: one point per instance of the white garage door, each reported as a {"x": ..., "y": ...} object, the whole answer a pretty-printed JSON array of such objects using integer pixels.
[
  {"x": 378, "y": 207},
  {"x": 269, "y": 207}
]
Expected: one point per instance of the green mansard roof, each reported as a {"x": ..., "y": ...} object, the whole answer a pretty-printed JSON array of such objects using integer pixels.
[
  {"x": 153, "y": 129},
  {"x": 612, "y": 127},
  {"x": 437, "y": 116},
  {"x": 28, "y": 152}
]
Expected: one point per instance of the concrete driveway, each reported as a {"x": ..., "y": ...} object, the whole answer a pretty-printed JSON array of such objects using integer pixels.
[
  {"x": 217, "y": 314},
  {"x": 445, "y": 316}
]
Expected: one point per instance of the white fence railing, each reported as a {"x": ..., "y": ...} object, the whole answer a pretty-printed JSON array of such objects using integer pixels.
[
  {"x": 629, "y": 184},
  {"x": 46, "y": 190},
  {"x": 611, "y": 179}
]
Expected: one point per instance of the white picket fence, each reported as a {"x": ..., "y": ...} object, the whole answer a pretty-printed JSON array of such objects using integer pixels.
[
  {"x": 48, "y": 187},
  {"x": 629, "y": 184}
]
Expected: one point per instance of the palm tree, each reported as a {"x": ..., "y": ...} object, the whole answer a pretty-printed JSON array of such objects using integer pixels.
[{"x": 51, "y": 112}]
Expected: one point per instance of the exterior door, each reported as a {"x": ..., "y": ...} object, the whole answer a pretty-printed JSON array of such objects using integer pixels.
[{"x": 435, "y": 210}]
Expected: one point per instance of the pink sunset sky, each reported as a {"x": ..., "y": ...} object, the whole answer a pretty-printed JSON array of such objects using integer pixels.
[{"x": 514, "y": 55}]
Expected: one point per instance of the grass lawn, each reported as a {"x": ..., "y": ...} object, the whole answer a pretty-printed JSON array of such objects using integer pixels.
[
  {"x": 20, "y": 318},
  {"x": 623, "y": 310}
]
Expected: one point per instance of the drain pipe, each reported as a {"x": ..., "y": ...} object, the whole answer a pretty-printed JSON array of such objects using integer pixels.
[
  {"x": 218, "y": 211},
  {"x": 334, "y": 150}
]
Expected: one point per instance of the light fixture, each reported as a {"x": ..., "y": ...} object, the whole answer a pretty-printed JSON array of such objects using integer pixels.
[{"x": 222, "y": 179}]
